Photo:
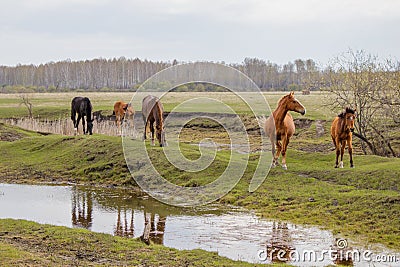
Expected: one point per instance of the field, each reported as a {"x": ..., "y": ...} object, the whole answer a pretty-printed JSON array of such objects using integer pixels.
[
  {"x": 55, "y": 105},
  {"x": 361, "y": 203}
]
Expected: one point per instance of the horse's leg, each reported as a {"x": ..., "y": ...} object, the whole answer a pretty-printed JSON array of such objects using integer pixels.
[
  {"x": 118, "y": 122},
  {"x": 337, "y": 148},
  {"x": 342, "y": 147},
  {"x": 285, "y": 143},
  {"x": 350, "y": 145},
  {"x": 278, "y": 152},
  {"x": 83, "y": 125},
  {"x": 152, "y": 132},
  {"x": 273, "y": 150},
  {"x": 77, "y": 122},
  {"x": 73, "y": 117},
  {"x": 145, "y": 129}
]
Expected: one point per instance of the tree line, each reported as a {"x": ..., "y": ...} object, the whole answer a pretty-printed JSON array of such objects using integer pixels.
[{"x": 127, "y": 74}]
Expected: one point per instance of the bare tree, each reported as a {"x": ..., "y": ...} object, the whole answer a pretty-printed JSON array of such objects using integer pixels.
[
  {"x": 26, "y": 100},
  {"x": 361, "y": 81}
]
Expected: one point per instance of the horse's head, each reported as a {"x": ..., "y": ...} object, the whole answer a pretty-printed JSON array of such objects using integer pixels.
[
  {"x": 90, "y": 126},
  {"x": 160, "y": 133},
  {"x": 349, "y": 116},
  {"x": 129, "y": 111},
  {"x": 293, "y": 104}
]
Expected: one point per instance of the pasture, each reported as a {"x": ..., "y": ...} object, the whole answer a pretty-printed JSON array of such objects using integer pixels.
[
  {"x": 361, "y": 203},
  {"x": 56, "y": 105}
]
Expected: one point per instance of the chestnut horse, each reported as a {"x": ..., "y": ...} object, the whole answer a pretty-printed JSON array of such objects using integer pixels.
[
  {"x": 279, "y": 127},
  {"x": 123, "y": 110},
  {"x": 152, "y": 111},
  {"x": 83, "y": 107},
  {"x": 342, "y": 132}
]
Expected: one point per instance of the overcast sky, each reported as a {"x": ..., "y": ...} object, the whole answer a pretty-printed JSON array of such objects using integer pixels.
[{"x": 39, "y": 31}]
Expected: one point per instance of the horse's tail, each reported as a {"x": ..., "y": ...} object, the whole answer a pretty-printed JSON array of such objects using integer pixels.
[
  {"x": 72, "y": 110},
  {"x": 261, "y": 121},
  {"x": 160, "y": 113}
]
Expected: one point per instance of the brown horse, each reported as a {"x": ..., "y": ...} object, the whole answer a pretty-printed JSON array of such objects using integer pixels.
[
  {"x": 152, "y": 111},
  {"x": 342, "y": 132},
  {"x": 280, "y": 126},
  {"x": 123, "y": 110}
]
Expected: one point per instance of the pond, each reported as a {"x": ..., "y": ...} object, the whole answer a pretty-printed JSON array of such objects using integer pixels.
[{"x": 233, "y": 233}]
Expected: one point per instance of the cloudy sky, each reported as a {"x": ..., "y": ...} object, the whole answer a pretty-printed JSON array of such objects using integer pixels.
[{"x": 39, "y": 31}]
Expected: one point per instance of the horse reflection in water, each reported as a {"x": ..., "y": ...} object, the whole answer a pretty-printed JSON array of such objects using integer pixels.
[
  {"x": 125, "y": 226},
  {"x": 156, "y": 224},
  {"x": 153, "y": 224},
  {"x": 82, "y": 209},
  {"x": 279, "y": 247}
]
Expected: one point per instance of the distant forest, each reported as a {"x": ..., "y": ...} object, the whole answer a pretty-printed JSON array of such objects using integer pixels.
[{"x": 122, "y": 74}]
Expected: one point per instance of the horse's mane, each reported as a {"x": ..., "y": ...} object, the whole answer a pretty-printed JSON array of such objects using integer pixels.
[
  {"x": 160, "y": 114},
  {"x": 347, "y": 110},
  {"x": 282, "y": 99}
]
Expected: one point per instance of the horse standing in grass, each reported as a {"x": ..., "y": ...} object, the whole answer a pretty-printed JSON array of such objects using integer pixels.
[
  {"x": 123, "y": 111},
  {"x": 152, "y": 111},
  {"x": 342, "y": 132},
  {"x": 279, "y": 127},
  {"x": 83, "y": 107}
]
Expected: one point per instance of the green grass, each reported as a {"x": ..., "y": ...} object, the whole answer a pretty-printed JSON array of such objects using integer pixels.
[
  {"x": 24, "y": 243},
  {"x": 95, "y": 159}
]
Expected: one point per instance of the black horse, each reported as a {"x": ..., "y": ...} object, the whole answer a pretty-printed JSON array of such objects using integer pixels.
[{"x": 83, "y": 107}]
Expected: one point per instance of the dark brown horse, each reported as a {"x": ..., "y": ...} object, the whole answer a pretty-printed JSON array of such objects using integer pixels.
[
  {"x": 83, "y": 107},
  {"x": 280, "y": 126},
  {"x": 152, "y": 111},
  {"x": 342, "y": 132}
]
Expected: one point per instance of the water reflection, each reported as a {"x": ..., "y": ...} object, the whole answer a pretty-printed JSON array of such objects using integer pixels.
[
  {"x": 125, "y": 224},
  {"x": 279, "y": 246},
  {"x": 232, "y": 233},
  {"x": 82, "y": 208},
  {"x": 126, "y": 205}
]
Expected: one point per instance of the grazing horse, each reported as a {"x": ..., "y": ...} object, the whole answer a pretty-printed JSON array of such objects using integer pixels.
[
  {"x": 342, "y": 132},
  {"x": 279, "y": 127},
  {"x": 123, "y": 110},
  {"x": 152, "y": 111},
  {"x": 83, "y": 107}
]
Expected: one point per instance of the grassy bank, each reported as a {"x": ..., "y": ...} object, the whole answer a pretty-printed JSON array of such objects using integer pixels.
[
  {"x": 93, "y": 159},
  {"x": 24, "y": 243},
  {"x": 363, "y": 203}
]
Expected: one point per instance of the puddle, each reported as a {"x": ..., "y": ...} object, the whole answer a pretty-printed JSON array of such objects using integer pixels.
[{"x": 233, "y": 233}]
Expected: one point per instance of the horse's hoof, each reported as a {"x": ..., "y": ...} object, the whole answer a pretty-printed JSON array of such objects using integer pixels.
[
  {"x": 336, "y": 166},
  {"x": 341, "y": 165},
  {"x": 352, "y": 166},
  {"x": 284, "y": 167}
]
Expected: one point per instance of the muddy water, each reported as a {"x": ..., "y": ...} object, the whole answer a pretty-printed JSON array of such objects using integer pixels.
[{"x": 236, "y": 234}]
